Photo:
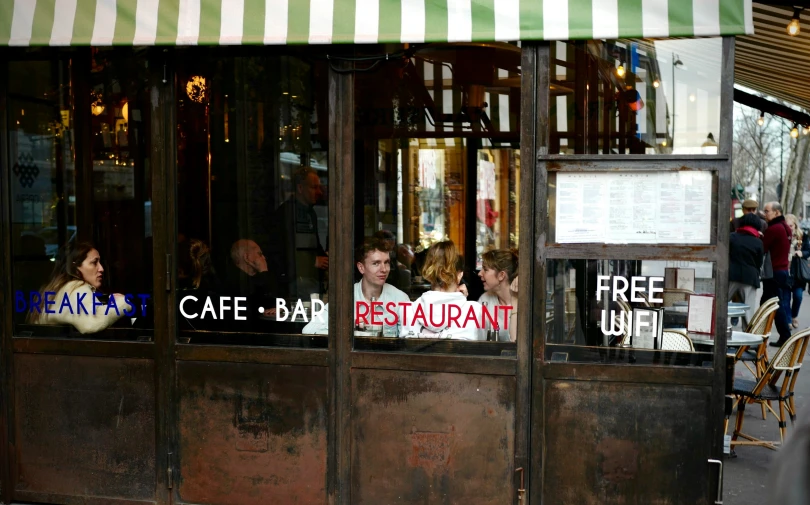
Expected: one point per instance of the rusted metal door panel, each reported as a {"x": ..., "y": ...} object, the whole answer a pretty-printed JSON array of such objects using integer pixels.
[
  {"x": 624, "y": 443},
  {"x": 252, "y": 433},
  {"x": 423, "y": 437},
  {"x": 85, "y": 426}
]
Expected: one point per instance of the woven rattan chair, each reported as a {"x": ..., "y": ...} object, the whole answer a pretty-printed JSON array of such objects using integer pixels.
[
  {"x": 676, "y": 340},
  {"x": 775, "y": 385},
  {"x": 761, "y": 324},
  {"x": 761, "y": 314},
  {"x": 670, "y": 296}
]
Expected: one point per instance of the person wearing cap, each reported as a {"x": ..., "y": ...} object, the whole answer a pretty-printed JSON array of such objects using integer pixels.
[{"x": 749, "y": 207}]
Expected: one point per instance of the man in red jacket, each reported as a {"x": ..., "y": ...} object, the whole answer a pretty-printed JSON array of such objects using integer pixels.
[{"x": 777, "y": 242}]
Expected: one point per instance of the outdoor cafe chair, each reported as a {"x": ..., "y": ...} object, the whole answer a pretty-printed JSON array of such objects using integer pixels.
[
  {"x": 776, "y": 385},
  {"x": 761, "y": 324},
  {"x": 761, "y": 314}
]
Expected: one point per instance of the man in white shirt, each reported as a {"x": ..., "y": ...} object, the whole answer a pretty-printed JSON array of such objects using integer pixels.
[{"x": 374, "y": 263}]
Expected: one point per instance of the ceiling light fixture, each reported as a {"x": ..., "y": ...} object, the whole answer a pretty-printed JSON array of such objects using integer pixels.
[
  {"x": 794, "y": 27},
  {"x": 620, "y": 71},
  {"x": 656, "y": 83},
  {"x": 761, "y": 118},
  {"x": 794, "y": 132}
]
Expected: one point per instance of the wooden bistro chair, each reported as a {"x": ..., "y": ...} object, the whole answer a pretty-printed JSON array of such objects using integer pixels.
[
  {"x": 775, "y": 385},
  {"x": 760, "y": 324}
]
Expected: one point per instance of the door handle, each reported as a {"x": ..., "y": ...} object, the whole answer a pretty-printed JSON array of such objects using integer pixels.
[
  {"x": 719, "y": 499},
  {"x": 522, "y": 489}
]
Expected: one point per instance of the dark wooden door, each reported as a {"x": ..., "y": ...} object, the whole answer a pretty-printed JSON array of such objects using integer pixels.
[{"x": 82, "y": 402}]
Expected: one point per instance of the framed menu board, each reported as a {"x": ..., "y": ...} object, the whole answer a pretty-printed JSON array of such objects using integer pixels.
[{"x": 634, "y": 207}]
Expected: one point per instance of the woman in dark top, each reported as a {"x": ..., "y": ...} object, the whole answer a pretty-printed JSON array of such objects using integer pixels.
[
  {"x": 799, "y": 251},
  {"x": 745, "y": 252}
]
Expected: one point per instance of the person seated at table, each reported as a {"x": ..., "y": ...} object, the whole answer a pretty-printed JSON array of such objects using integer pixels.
[
  {"x": 78, "y": 274},
  {"x": 444, "y": 272},
  {"x": 196, "y": 277},
  {"x": 374, "y": 264},
  {"x": 399, "y": 277},
  {"x": 249, "y": 277},
  {"x": 499, "y": 270}
]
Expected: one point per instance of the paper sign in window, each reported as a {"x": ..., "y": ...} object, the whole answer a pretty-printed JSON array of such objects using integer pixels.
[
  {"x": 700, "y": 318},
  {"x": 634, "y": 207}
]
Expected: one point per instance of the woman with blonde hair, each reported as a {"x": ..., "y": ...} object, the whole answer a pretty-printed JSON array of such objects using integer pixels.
[
  {"x": 77, "y": 277},
  {"x": 195, "y": 270},
  {"x": 498, "y": 272},
  {"x": 799, "y": 252},
  {"x": 443, "y": 312}
]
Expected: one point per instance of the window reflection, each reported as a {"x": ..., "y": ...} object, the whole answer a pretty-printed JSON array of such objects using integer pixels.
[
  {"x": 81, "y": 231},
  {"x": 437, "y": 176},
  {"x": 635, "y": 96},
  {"x": 600, "y": 310},
  {"x": 252, "y": 193}
]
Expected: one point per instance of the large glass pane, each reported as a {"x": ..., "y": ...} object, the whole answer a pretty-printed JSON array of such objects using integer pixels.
[
  {"x": 635, "y": 96},
  {"x": 437, "y": 175},
  {"x": 252, "y": 251},
  {"x": 81, "y": 233},
  {"x": 630, "y": 311}
]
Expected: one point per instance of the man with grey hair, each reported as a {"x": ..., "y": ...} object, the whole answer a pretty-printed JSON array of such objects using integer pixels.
[
  {"x": 248, "y": 276},
  {"x": 776, "y": 242}
]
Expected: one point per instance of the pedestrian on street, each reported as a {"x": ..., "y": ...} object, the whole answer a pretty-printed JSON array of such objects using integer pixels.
[
  {"x": 799, "y": 252},
  {"x": 746, "y": 253},
  {"x": 749, "y": 207},
  {"x": 776, "y": 242}
]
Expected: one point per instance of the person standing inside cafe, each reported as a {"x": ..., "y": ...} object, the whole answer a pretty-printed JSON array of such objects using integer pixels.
[
  {"x": 776, "y": 242},
  {"x": 745, "y": 255},
  {"x": 295, "y": 252}
]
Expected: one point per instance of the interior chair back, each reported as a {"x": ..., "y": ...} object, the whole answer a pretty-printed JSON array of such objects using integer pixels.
[
  {"x": 672, "y": 295},
  {"x": 676, "y": 340},
  {"x": 645, "y": 300}
]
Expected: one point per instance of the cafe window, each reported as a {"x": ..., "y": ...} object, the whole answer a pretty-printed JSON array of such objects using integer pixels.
[
  {"x": 81, "y": 220},
  {"x": 437, "y": 172},
  {"x": 252, "y": 135},
  {"x": 651, "y": 312},
  {"x": 635, "y": 96}
]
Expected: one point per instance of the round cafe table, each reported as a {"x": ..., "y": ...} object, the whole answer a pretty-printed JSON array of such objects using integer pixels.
[{"x": 738, "y": 339}]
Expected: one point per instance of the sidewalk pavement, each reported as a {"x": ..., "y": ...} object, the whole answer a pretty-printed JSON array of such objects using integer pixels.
[{"x": 747, "y": 478}]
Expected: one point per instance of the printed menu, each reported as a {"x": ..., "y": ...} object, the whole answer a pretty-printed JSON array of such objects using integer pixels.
[{"x": 634, "y": 208}]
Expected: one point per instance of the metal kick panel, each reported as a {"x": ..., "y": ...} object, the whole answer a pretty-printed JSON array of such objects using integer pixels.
[
  {"x": 251, "y": 433},
  {"x": 432, "y": 438},
  {"x": 622, "y": 443},
  {"x": 85, "y": 426}
]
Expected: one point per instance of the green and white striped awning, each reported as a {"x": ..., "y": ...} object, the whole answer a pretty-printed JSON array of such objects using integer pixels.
[{"x": 233, "y": 22}]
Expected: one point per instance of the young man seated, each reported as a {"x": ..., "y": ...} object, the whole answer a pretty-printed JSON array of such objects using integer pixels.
[{"x": 374, "y": 263}]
